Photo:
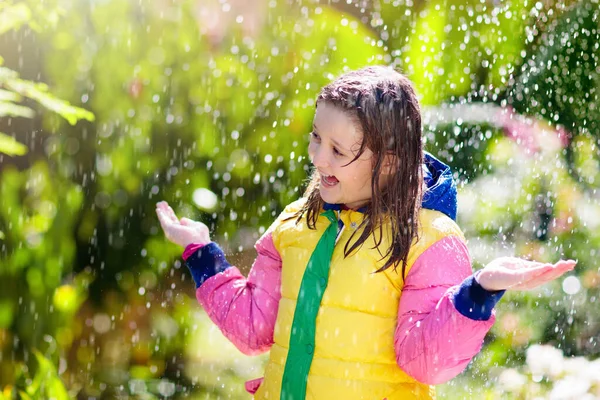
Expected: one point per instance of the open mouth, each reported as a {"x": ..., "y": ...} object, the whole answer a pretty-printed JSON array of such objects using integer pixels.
[{"x": 329, "y": 180}]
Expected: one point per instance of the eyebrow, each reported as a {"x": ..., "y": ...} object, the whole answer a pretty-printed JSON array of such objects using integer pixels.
[{"x": 333, "y": 140}]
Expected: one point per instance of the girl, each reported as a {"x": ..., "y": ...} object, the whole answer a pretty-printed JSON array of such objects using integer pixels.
[{"x": 363, "y": 288}]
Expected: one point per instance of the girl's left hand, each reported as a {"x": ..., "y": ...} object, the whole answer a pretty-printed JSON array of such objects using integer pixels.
[{"x": 512, "y": 273}]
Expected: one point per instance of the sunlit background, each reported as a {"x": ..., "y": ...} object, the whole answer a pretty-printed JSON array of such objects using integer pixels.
[{"x": 108, "y": 106}]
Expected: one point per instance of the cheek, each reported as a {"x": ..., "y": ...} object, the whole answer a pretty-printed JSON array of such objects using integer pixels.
[
  {"x": 365, "y": 180},
  {"x": 363, "y": 173}
]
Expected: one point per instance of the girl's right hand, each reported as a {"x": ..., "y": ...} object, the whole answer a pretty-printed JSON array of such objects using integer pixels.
[{"x": 182, "y": 231}]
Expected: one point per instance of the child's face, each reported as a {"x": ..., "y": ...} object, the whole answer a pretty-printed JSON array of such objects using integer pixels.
[{"x": 334, "y": 142}]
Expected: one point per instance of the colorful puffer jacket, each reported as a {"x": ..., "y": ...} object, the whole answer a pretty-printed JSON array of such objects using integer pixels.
[
  {"x": 354, "y": 354},
  {"x": 375, "y": 335}
]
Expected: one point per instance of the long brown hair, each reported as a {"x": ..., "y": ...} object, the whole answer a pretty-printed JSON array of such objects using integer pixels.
[{"x": 384, "y": 105}]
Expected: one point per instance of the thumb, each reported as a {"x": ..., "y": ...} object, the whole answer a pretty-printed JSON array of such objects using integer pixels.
[{"x": 187, "y": 221}]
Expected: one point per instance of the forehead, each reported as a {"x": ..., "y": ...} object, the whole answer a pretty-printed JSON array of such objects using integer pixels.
[{"x": 335, "y": 123}]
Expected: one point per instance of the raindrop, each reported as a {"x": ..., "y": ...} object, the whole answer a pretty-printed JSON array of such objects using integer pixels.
[
  {"x": 571, "y": 285},
  {"x": 101, "y": 323},
  {"x": 166, "y": 388},
  {"x": 205, "y": 199}
]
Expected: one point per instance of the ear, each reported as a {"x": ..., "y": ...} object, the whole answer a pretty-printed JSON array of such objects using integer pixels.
[{"x": 390, "y": 164}]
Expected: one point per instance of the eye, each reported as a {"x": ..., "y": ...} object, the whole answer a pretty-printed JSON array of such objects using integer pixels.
[
  {"x": 337, "y": 152},
  {"x": 315, "y": 135}
]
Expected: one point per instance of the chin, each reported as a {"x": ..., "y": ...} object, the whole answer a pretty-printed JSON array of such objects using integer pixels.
[{"x": 328, "y": 199}]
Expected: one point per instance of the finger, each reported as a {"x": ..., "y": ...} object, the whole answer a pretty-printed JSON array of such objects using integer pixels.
[
  {"x": 507, "y": 278},
  {"x": 165, "y": 221},
  {"x": 566, "y": 264},
  {"x": 523, "y": 276},
  {"x": 168, "y": 225},
  {"x": 172, "y": 214},
  {"x": 561, "y": 263},
  {"x": 163, "y": 206},
  {"x": 187, "y": 221},
  {"x": 556, "y": 272},
  {"x": 549, "y": 275},
  {"x": 529, "y": 264},
  {"x": 528, "y": 270},
  {"x": 160, "y": 214},
  {"x": 169, "y": 213},
  {"x": 193, "y": 224},
  {"x": 514, "y": 263}
]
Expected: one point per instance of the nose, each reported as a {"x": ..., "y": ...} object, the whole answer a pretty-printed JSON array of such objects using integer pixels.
[{"x": 318, "y": 157}]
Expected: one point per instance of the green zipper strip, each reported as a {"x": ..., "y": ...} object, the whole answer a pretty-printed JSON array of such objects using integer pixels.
[{"x": 302, "y": 338}]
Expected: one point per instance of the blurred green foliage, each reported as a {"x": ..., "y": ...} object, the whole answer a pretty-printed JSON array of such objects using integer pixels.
[
  {"x": 13, "y": 89},
  {"x": 45, "y": 384},
  {"x": 197, "y": 100}
]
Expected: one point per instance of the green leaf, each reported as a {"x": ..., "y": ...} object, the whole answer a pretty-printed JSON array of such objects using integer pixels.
[
  {"x": 56, "y": 389},
  {"x": 7, "y": 74},
  {"x": 24, "y": 396},
  {"x": 6, "y": 95},
  {"x": 15, "y": 110},
  {"x": 41, "y": 374},
  {"x": 10, "y": 146},
  {"x": 46, "y": 382},
  {"x": 39, "y": 92},
  {"x": 13, "y": 17},
  {"x": 6, "y": 314}
]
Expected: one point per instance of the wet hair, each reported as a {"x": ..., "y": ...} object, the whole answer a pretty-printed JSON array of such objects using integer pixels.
[{"x": 383, "y": 104}]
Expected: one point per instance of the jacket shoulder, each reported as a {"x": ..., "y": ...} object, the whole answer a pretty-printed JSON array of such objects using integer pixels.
[
  {"x": 294, "y": 206},
  {"x": 433, "y": 227},
  {"x": 286, "y": 218}
]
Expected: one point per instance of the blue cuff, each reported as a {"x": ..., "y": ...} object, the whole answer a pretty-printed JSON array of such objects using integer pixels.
[
  {"x": 208, "y": 261},
  {"x": 475, "y": 302}
]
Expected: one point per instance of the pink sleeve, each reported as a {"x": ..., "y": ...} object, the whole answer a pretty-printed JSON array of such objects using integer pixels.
[
  {"x": 433, "y": 341},
  {"x": 245, "y": 309}
]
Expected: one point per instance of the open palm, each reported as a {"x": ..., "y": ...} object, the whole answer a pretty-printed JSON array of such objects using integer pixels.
[
  {"x": 512, "y": 273},
  {"x": 182, "y": 231}
]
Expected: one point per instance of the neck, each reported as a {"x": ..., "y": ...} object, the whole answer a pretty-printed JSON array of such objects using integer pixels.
[{"x": 330, "y": 206}]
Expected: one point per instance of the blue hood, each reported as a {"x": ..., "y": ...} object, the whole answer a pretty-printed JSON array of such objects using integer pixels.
[{"x": 441, "y": 188}]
